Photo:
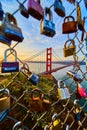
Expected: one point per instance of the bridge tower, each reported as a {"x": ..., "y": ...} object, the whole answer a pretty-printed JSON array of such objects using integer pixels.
[{"x": 48, "y": 60}]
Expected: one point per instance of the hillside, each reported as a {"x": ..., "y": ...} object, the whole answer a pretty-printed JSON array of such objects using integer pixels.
[{"x": 20, "y": 88}]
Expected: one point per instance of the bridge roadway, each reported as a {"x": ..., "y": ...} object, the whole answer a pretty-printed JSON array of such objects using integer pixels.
[{"x": 57, "y": 62}]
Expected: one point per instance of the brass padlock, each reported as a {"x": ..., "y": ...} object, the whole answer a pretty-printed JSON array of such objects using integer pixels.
[
  {"x": 69, "y": 49},
  {"x": 69, "y": 25},
  {"x": 37, "y": 103},
  {"x": 80, "y": 22},
  {"x": 5, "y": 100}
]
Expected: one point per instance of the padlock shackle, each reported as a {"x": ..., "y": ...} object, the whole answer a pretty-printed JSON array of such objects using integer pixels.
[
  {"x": 47, "y": 11},
  {"x": 26, "y": 67},
  {"x": 25, "y": 70},
  {"x": 68, "y": 17},
  {"x": 10, "y": 18},
  {"x": 17, "y": 124},
  {"x": 5, "y": 53},
  {"x": 59, "y": 82},
  {"x": 71, "y": 42},
  {"x": 5, "y": 91},
  {"x": 36, "y": 90}
]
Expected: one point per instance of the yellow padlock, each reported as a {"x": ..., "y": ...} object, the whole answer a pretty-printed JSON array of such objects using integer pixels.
[{"x": 56, "y": 124}]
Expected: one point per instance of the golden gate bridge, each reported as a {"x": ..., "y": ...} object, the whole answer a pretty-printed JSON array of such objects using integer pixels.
[{"x": 47, "y": 62}]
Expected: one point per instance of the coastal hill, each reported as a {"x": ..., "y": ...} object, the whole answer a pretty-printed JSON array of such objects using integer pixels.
[{"x": 18, "y": 85}]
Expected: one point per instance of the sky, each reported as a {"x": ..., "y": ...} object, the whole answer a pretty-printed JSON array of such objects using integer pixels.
[{"x": 33, "y": 41}]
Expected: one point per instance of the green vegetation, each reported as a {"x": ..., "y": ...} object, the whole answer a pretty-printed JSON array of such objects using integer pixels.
[{"x": 18, "y": 87}]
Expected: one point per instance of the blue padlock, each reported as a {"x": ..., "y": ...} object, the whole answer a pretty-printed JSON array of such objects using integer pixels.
[
  {"x": 33, "y": 78},
  {"x": 3, "y": 38},
  {"x": 1, "y": 12},
  {"x": 12, "y": 31},
  {"x": 59, "y": 8},
  {"x": 47, "y": 27}
]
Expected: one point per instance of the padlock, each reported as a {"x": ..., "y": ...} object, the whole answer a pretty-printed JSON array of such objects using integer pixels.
[
  {"x": 5, "y": 100},
  {"x": 1, "y": 12},
  {"x": 3, "y": 38},
  {"x": 19, "y": 126},
  {"x": 77, "y": 113},
  {"x": 69, "y": 25},
  {"x": 59, "y": 8},
  {"x": 69, "y": 49},
  {"x": 63, "y": 92},
  {"x": 47, "y": 27},
  {"x": 10, "y": 66},
  {"x": 76, "y": 77},
  {"x": 35, "y": 9},
  {"x": 23, "y": 11},
  {"x": 33, "y": 78},
  {"x": 80, "y": 91},
  {"x": 71, "y": 1},
  {"x": 12, "y": 31},
  {"x": 80, "y": 22},
  {"x": 37, "y": 103},
  {"x": 56, "y": 123},
  {"x": 85, "y": 2}
]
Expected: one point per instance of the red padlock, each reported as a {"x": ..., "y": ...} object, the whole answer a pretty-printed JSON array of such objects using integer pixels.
[{"x": 69, "y": 25}]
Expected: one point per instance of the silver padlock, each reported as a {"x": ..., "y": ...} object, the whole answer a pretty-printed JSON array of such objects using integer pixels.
[
  {"x": 18, "y": 126},
  {"x": 63, "y": 92}
]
